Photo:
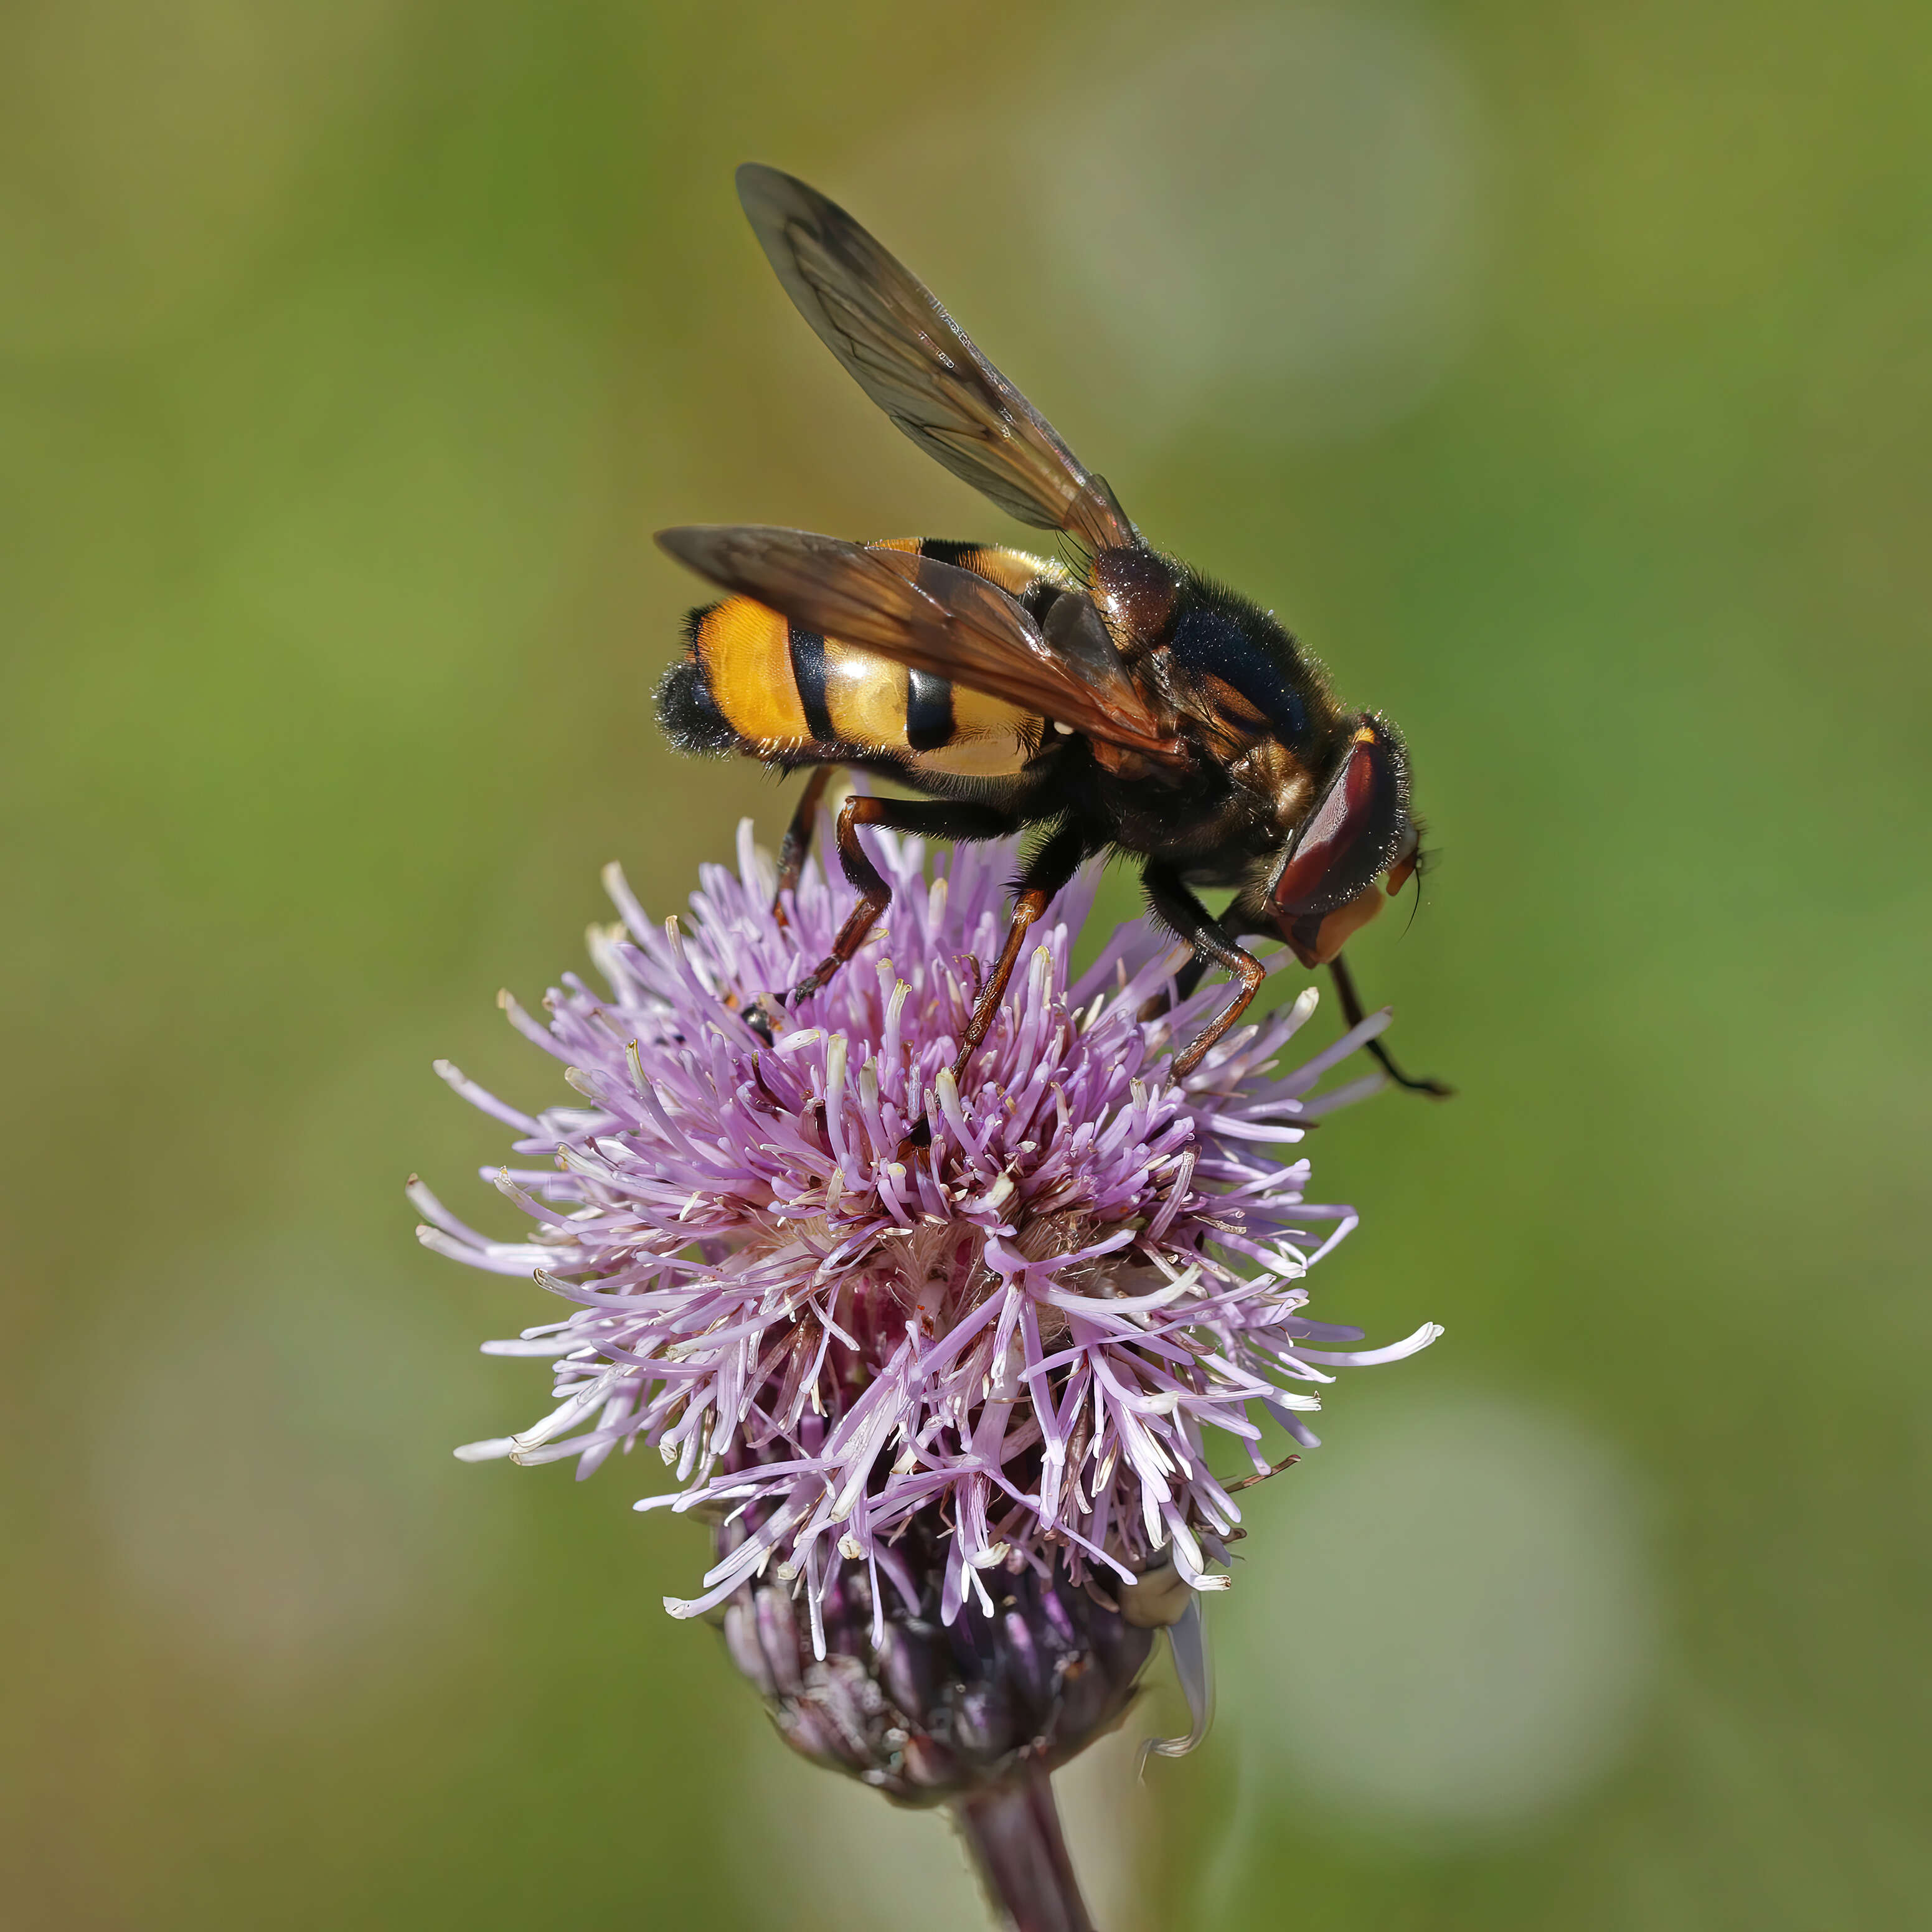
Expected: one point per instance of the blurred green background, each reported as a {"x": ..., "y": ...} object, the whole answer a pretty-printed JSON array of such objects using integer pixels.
[{"x": 1563, "y": 372}]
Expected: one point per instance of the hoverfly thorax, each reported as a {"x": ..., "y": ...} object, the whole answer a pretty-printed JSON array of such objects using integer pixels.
[
  {"x": 1136, "y": 589},
  {"x": 1358, "y": 828}
]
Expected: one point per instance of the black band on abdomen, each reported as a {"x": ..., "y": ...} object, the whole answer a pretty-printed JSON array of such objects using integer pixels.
[
  {"x": 808, "y": 671},
  {"x": 929, "y": 711}
]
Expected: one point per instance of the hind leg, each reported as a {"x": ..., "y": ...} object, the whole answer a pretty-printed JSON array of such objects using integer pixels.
[
  {"x": 797, "y": 846},
  {"x": 929, "y": 818}
]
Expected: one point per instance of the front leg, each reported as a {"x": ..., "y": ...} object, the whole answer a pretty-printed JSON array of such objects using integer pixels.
[
  {"x": 1190, "y": 975},
  {"x": 937, "y": 818},
  {"x": 1351, "y": 1013},
  {"x": 1175, "y": 905}
]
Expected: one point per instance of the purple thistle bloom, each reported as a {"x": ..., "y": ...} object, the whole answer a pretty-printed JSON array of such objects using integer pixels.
[{"x": 904, "y": 1386}]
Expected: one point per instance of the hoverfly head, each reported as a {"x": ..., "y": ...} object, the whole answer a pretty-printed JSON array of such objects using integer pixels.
[{"x": 1323, "y": 891}]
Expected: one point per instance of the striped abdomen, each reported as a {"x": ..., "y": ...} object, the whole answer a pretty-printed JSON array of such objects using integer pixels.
[{"x": 750, "y": 681}]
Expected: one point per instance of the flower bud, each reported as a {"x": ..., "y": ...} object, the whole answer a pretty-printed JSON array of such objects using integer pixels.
[{"x": 923, "y": 1710}]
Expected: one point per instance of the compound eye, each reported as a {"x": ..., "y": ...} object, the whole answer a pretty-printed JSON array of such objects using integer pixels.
[{"x": 1357, "y": 829}]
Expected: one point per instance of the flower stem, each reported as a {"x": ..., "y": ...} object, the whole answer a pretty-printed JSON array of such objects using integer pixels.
[{"x": 1013, "y": 1832}]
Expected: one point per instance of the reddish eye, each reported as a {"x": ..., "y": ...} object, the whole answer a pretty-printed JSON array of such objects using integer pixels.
[{"x": 1357, "y": 828}]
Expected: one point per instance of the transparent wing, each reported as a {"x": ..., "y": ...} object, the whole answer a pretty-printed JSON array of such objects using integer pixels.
[{"x": 916, "y": 362}]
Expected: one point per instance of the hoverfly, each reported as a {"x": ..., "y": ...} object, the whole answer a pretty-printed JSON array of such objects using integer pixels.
[{"x": 1126, "y": 702}]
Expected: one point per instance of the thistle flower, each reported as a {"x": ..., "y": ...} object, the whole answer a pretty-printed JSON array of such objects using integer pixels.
[{"x": 946, "y": 1410}]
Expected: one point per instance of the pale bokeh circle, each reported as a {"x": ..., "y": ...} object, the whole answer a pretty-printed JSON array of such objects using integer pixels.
[
  {"x": 1445, "y": 1617},
  {"x": 1281, "y": 220},
  {"x": 1272, "y": 228}
]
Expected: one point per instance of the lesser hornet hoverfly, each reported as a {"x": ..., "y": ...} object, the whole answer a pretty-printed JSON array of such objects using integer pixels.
[{"x": 1126, "y": 702}]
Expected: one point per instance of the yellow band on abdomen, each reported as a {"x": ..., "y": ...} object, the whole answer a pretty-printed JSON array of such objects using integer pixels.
[
  {"x": 746, "y": 652},
  {"x": 865, "y": 696}
]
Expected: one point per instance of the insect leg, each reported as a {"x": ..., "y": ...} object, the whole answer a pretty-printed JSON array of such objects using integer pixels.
[
  {"x": 793, "y": 853},
  {"x": 1171, "y": 901},
  {"x": 1051, "y": 867},
  {"x": 1195, "y": 971},
  {"x": 1351, "y": 1011},
  {"x": 931, "y": 818}
]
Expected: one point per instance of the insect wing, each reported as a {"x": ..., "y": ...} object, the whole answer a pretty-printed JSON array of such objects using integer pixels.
[
  {"x": 929, "y": 615},
  {"x": 916, "y": 362}
]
